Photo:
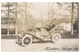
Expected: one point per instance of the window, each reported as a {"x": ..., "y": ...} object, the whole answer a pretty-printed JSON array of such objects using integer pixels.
[
  {"x": 3, "y": 30},
  {"x": 12, "y": 31}
]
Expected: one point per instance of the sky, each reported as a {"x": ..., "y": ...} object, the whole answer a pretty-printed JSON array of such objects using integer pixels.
[{"x": 39, "y": 10}]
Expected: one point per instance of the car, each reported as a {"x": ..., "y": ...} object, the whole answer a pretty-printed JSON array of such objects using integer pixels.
[{"x": 41, "y": 34}]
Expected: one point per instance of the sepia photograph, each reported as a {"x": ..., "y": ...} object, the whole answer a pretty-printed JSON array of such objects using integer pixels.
[{"x": 39, "y": 26}]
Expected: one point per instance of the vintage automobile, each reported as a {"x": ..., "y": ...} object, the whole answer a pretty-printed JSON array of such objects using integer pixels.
[{"x": 41, "y": 34}]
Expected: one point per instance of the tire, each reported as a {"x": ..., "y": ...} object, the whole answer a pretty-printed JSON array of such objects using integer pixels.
[
  {"x": 26, "y": 40},
  {"x": 56, "y": 37}
]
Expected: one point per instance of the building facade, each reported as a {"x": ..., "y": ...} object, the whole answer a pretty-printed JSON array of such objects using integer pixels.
[{"x": 8, "y": 19}]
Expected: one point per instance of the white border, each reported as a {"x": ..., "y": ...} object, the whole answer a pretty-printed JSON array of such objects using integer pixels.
[
  {"x": 39, "y": 0},
  {"x": 35, "y": 1}
]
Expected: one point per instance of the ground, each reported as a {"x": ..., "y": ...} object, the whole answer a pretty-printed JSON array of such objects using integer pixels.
[{"x": 63, "y": 45}]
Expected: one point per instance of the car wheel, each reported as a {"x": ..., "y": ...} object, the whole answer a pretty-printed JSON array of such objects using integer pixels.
[
  {"x": 56, "y": 37},
  {"x": 26, "y": 40}
]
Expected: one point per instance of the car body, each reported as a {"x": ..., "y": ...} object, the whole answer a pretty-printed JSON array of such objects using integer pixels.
[{"x": 41, "y": 34}]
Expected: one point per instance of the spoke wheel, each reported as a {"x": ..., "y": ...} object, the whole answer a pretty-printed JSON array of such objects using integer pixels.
[
  {"x": 26, "y": 40},
  {"x": 56, "y": 37}
]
